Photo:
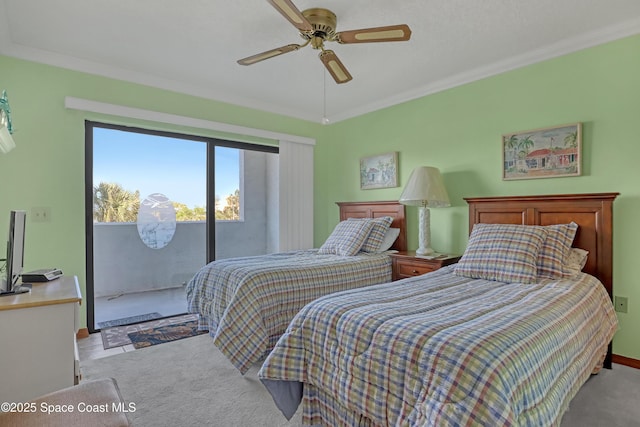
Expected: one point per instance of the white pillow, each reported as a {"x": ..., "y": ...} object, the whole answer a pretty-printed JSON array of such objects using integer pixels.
[
  {"x": 389, "y": 239},
  {"x": 575, "y": 262}
]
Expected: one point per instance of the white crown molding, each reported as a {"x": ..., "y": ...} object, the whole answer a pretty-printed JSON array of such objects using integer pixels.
[
  {"x": 105, "y": 70},
  {"x": 174, "y": 119},
  {"x": 561, "y": 48},
  {"x": 584, "y": 41}
]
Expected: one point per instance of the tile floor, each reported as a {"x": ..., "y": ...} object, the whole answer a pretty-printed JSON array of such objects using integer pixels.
[
  {"x": 167, "y": 302},
  {"x": 92, "y": 348}
]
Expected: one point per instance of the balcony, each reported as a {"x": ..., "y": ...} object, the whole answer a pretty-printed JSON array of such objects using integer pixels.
[{"x": 131, "y": 279}]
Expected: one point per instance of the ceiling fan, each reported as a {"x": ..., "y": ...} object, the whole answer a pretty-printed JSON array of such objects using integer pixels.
[{"x": 318, "y": 26}]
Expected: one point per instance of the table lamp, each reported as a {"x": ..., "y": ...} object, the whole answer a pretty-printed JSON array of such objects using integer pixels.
[{"x": 425, "y": 189}]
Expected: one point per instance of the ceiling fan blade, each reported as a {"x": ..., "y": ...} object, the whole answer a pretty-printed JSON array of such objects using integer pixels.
[
  {"x": 249, "y": 60},
  {"x": 334, "y": 66},
  {"x": 293, "y": 14},
  {"x": 392, "y": 33}
]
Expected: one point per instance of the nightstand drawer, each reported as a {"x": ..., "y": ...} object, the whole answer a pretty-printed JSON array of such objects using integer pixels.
[
  {"x": 407, "y": 264},
  {"x": 408, "y": 269}
]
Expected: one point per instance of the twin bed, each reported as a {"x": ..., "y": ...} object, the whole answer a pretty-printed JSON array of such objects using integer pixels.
[
  {"x": 457, "y": 347},
  {"x": 247, "y": 303},
  {"x": 505, "y": 337}
]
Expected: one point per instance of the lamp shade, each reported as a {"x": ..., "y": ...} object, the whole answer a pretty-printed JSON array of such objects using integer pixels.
[{"x": 425, "y": 188}]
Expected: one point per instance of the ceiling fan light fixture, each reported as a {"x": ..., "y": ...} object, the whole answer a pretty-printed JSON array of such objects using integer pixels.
[
  {"x": 317, "y": 42},
  {"x": 323, "y": 21},
  {"x": 317, "y": 26}
]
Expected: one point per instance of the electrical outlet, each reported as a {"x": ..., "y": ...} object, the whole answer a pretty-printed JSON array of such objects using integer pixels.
[
  {"x": 41, "y": 214},
  {"x": 621, "y": 304}
]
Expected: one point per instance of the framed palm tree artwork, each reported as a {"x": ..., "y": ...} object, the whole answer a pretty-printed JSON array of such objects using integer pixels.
[{"x": 542, "y": 153}]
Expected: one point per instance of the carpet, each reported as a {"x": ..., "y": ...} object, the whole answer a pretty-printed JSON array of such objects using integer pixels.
[
  {"x": 189, "y": 383},
  {"x": 119, "y": 336},
  {"x": 164, "y": 334},
  {"x": 129, "y": 320}
]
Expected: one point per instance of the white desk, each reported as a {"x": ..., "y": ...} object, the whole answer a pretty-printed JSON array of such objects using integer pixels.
[{"x": 38, "y": 350}]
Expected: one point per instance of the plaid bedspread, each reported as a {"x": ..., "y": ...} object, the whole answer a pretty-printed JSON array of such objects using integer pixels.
[
  {"x": 247, "y": 303},
  {"x": 443, "y": 350}
]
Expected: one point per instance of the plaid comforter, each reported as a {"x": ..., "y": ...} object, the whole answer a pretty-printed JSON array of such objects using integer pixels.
[
  {"x": 247, "y": 303},
  {"x": 443, "y": 350}
]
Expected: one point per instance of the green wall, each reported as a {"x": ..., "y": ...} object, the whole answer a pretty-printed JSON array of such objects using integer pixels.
[
  {"x": 46, "y": 169},
  {"x": 457, "y": 130}
]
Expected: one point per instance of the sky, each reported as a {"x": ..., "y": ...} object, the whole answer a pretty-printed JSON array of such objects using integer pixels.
[{"x": 157, "y": 164}]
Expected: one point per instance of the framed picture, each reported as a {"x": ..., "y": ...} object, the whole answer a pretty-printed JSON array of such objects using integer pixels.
[
  {"x": 379, "y": 171},
  {"x": 542, "y": 153}
]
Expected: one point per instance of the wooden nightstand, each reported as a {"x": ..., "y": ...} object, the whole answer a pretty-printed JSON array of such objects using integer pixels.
[{"x": 406, "y": 264}]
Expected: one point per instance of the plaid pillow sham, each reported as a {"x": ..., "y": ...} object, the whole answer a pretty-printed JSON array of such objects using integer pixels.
[
  {"x": 347, "y": 238},
  {"x": 502, "y": 252},
  {"x": 377, "y": 233},
  {"x": 555, "y": 249}
]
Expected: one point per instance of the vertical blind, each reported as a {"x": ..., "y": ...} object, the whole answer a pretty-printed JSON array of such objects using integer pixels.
[{"x": 296, "y": 196}]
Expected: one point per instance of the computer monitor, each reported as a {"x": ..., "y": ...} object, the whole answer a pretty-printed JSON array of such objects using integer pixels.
[{"x": 15, "y": 254}]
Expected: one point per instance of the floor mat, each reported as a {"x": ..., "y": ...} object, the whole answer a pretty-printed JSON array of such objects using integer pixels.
[
  {"x": 119, "y": 335},
  {"x": 164, "y": 334}
]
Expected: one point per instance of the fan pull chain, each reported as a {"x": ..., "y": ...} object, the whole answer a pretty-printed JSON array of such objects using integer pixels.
[{"x": 325, "y": 120}]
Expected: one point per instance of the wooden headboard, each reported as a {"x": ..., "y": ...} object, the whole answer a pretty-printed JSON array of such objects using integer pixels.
[
  {"x": 592, "y": 212},
  {"x": 377, "y": 209}
]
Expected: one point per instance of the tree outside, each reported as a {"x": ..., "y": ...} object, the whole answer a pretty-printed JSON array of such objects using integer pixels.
[
  {"x": 113, "y": 203},
  {"x": 230, "y": 211},
  {"x": 185, "y": 213}
]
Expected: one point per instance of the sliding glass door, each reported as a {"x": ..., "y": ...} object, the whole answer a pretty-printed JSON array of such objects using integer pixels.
[
  {"x": 159, "y": 207},
  {"x": 149, "y": 221},
  {"x": 246, "y": 197}
]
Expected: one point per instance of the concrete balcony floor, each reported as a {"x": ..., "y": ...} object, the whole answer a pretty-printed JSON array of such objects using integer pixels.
[{"x": 167, "y": 302}]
